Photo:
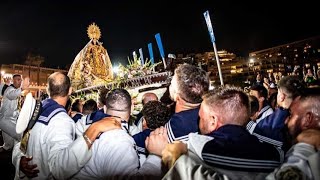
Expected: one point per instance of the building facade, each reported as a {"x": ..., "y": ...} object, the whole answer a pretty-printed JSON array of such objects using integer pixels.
[
  {"x": 289, "y": 58},
  {"x": 38, "y": 75}
]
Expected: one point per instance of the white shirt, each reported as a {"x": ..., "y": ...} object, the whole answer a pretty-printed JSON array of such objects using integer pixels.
[
  {"x": 81, "y": 126},
  {"x": 297, "y": 156},
  {"x": 115, "y": 157},
  {"x": 9, "y": 106},
  {"x": 54, "y": 150}
]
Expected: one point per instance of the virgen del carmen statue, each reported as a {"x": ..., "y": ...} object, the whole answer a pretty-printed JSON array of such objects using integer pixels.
[
  {"x": 92, "y": 70},
  {"x": 92, "y": 65}
]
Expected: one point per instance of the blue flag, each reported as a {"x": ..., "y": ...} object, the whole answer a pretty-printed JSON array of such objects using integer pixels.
[
  {"x": 151, "y": 53},
  {"x": 209, "y": 25},
  {"x": 141, "y": 56},
  {"x": 158, "y": 38}
]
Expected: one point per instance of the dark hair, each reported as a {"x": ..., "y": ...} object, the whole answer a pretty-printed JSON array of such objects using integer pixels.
[
  {"x": 16, "y": 75},
  {"x": 254, "y": 105},
  {"x": 118, "y": 100},
  {"x": 262, "y": 91},
  {"x": 192, "y": 81},
  {"x": 156, "y": 114},
  {"x": 58, "y": 85},
  {"x": 102, "y": 95},
  {"x": 89, "y": 106},
  {"x": 273, "y": 100},
  {"x": 76, "y": 105},
  {"x": 68, "y": 105},
  {"x": 292, "y": 86}
]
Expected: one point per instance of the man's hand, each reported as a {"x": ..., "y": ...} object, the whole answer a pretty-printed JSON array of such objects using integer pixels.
[
  {"x": 25, "y": 83},
  {"x": 157, "y": 141},
  {"x": 310, "y": 136},
  {"x": 103, "y": 125},
  {"x": 29, "y": 170},
  {"x": 172, "y": 152},
  {"x": 107, "y": 124},
  {"x": 8, "y": 81}
]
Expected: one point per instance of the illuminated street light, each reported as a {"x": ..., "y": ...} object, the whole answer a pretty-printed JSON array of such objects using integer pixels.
[{"x": 251, "y": 60}]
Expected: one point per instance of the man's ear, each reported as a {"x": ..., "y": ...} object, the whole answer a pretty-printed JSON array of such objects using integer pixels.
[
  {"x": 176, "y": 96},
  {"x": 70, "y": 91},
  {"x": 144, "y": 124},
  {"x": 282, "y": 96},
  {"x": 261, "y": 99},
  {"x": 308, "y": 121},
  {"x": 214, "y": 122}
]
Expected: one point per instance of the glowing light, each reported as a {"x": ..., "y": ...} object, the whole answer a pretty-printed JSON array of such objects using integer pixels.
[{"x": 115, "y": 69}]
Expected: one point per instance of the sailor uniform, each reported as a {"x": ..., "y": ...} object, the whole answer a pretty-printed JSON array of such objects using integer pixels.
[
  {"x": 9, "y": 111},
  {"x": 77, "y": 117},
  {"x": 181, "y": 124},
  {"x": 140, "y": 139},
  {"x": 52, "y": 146},
  {"x": 299, "y": 157},
  {"x": 231, "y": 147},
  {"x": 115, "y": 157},
  {"x": 271, "y": 128}
]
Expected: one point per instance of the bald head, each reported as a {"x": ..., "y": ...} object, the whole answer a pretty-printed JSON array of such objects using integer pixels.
[
  {"x": 149, "y": 97},
  {"x": 304, "y": 114},
  {"x": 58, "y": 85}
]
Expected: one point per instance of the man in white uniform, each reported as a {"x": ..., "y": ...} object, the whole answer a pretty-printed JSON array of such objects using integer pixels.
[
  {"x": 114, "y": 154},
  {"x": 51, "y": 142},
  {"x": 9, "y": 111}
]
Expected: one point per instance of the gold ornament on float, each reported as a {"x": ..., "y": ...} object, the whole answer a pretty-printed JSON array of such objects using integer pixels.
[
  {"x": 94, "y": 32},
  {"x": 92, "y": 65}
]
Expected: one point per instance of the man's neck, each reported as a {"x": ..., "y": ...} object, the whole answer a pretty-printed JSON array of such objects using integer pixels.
[
  {"x": 61, "y": 100},
  {"x": 182, "y": 105},
  {"x": 123, "y": 115},
  {"x": 286, "y": 103}
]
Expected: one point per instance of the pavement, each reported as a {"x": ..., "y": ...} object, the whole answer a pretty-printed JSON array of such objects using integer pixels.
[{"x": 6, "y": 167}]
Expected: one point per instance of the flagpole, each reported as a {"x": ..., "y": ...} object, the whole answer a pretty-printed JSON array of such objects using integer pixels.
[
  {"x": 211, "y": 34},
  {"x": 164, "y": 63},
  {"x": 218, "y": 63}
]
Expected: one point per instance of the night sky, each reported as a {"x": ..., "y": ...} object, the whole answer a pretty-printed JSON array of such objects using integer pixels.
[{"x": 57, "y": 30}]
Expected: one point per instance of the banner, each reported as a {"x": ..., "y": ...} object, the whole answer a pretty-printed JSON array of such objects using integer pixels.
[
  {"x": 141, "y": 56},
  {"x": 209, "y": 25},
  {"x": 134, "y": 55},
  {"x": 151, "y": 53},
  {"x": 158, "y": 38}
]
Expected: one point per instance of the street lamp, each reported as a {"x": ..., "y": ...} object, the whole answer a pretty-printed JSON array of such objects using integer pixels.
[{"x": 2, "y": 73}]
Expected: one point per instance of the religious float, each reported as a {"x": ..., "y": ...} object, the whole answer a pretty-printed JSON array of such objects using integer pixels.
[{"x": 92, "y": 70}]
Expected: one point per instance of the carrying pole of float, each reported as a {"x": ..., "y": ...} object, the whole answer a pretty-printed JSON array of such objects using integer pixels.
[{"x": 210, "y": 29}]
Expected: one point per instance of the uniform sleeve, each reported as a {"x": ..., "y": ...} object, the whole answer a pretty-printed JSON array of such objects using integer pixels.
[
  {"x": 297, "y": 158},
  {"x": 151, "y": 167},
  {"x": 122, "y": 160},
  {"x": 176, "y": 132},
  {"x": 270, "y": 128},
  {"x": 81, "y": 126},
  {"x": 12, "y": 93},
  {"x": 196, "y": 143},
  {"x": 16, "y": 156},
  {"x": 66, "y": 156}
]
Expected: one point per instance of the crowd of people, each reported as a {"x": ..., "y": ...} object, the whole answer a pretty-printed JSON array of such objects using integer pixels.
[{"x": 270, "y": 131}]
